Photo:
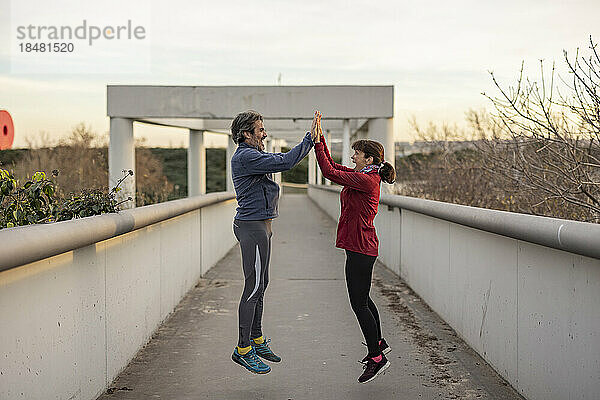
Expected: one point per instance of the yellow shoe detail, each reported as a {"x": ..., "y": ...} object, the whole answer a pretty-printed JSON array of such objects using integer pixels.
[{"x": 259, "y": 340}]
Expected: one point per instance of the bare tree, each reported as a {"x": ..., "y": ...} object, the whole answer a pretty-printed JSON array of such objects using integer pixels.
[
  {"x": 449, "y": 168},
  {"x": 543, "y": 140}
]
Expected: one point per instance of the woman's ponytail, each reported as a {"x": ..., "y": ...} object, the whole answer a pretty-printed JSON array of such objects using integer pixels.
[{"x": 387, "y": 173}]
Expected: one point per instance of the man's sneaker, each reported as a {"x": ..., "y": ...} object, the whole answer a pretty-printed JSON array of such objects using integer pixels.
[
  {"x": 250, "y": 361},
  {"x": 373, "y": 369},
  {"x": 383, "y": 347},
  {"x": 264, "y": 351}
]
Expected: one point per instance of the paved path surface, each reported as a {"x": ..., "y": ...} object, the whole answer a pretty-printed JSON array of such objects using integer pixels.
[{"x": 312, "y": 326}]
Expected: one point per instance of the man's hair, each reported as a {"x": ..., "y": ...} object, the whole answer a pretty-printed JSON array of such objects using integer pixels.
[{"x": 244, "y": 122}]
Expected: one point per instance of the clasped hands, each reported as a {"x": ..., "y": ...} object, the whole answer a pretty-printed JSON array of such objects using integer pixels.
[{"x": 316, "y": 130}]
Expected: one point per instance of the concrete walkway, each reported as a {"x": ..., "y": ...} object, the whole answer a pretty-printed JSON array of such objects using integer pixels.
[{"x": 308, "y": 317}]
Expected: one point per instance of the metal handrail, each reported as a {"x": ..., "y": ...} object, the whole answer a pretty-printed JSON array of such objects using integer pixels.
[
  {"x": 25, "y": 244},
  {"x": 582, "y": 238}
]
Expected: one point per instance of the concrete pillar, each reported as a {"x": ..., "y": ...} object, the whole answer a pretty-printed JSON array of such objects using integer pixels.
[
  {"x": 327, "y": 181},
  {"x": 319, "y": 175},
  {"x": 381, "y": 130},
  {"x": 269, "y": 145},
  {"x": 346, "y": 143},
  {"x": 312, "y": 168},
  {"x": 196, "y": 164},
  {"x": 231, "y": 146},
  {"x": 121, "y": 156}
]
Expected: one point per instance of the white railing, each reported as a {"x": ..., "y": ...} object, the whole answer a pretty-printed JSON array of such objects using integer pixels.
[
  {"x": 78, "y": 299},
  {"x": 523, "y": 291}
]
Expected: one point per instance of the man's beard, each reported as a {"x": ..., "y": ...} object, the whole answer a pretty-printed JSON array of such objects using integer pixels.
[{"x": 260, "y": 145}]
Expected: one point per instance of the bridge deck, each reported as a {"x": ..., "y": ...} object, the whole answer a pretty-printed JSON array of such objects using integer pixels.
[{"x": 308, "y": 317}]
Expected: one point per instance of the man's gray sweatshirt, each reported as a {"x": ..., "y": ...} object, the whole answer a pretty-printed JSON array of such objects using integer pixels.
[{"x": 257, "y": 194}]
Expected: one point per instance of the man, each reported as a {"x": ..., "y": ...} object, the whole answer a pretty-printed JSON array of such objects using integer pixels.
[{"x": 257, "y": 196}]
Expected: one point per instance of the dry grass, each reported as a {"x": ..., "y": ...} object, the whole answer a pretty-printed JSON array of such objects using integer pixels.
[{"x": 82, "y": 159}]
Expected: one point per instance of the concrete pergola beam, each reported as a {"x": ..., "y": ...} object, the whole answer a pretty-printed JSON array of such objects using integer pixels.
[
  {"x": 350, "y": 111},
  {"x": 285, "y": 128},
  {"x": 225, "y": 102}
]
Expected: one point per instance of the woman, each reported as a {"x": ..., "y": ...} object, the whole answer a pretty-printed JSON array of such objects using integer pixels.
[{"x": 356, "y": 234}]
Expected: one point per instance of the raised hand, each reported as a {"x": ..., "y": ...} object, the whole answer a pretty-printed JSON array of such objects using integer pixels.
[
  {"x": 319, "y": 128},
  {"x": 313, "y": 128}
]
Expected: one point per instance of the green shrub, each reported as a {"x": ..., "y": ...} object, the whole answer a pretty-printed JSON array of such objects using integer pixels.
[
  {"x": 35, "y": 201},
  {"x": 29, "y": 204}
]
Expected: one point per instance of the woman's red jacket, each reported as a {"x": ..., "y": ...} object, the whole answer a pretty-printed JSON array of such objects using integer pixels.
[{"x": 359, "y": 198}]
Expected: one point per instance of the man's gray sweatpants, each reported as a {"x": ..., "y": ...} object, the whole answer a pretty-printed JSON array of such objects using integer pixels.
[{"x": 255, "y": 244}]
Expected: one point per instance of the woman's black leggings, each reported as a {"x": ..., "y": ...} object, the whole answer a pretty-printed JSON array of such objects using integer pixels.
[{"x": 359, "y": 268}]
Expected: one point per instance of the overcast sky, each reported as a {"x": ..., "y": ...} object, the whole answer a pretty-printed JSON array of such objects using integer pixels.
[{"x": 437, "y": 54}]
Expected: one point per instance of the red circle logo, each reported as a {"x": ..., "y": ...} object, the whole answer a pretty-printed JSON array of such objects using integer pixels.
[{"x": 7, "y": 130}]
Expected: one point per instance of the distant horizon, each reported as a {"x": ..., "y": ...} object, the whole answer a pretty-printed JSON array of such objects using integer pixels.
[{"x": 184, "y": 145}]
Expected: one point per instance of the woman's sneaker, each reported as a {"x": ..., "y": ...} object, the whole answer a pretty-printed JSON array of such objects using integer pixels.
[
  {"x": 373, "y": 368},
  {"x": 383, "y": 347},
  {"x": 250, "y": 361},
  {"x": 263, "y": 350}
]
